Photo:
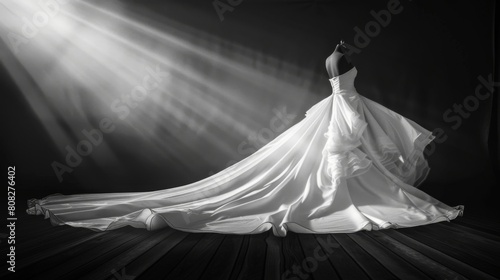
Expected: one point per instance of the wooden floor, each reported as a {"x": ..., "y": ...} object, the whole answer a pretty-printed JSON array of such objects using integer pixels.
[{"x": 466, "y": 248}]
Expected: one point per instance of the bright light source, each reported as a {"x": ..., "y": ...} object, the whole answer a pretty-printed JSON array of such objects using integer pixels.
[{"x": 158, "y": 81}]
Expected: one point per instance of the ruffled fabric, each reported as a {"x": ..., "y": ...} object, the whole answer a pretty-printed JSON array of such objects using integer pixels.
[
  {"x": 349, "y": 165},
  {"x": 396, "y": 142}
]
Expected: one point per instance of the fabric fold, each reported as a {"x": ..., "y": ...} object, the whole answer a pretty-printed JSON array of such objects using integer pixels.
[{"x": 349, "y": 165}]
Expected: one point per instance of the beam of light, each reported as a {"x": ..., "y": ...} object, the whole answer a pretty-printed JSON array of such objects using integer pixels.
[{"x": 83, "y": 63}]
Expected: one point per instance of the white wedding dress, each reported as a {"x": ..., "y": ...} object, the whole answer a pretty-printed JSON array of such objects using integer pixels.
[{"x": 349, "y": 165}]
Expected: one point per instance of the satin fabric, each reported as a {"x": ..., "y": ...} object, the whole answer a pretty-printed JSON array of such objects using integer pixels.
[{"x": 349, "y": 165}]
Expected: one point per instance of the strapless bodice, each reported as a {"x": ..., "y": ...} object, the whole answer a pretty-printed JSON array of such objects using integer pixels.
[{"x": 344, "y": 83}]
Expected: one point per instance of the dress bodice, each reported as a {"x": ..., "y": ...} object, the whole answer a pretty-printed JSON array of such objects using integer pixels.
[{"x": 344, "y": 83}]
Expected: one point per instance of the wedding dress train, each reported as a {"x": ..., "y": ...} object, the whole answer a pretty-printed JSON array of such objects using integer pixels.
[{"x": 349, "y": 165}]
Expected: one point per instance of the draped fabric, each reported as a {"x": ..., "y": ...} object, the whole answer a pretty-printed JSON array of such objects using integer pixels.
[{"x": 351, "y": 164}]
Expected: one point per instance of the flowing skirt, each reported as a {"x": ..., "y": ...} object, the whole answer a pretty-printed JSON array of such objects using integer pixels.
[{"x": 349, "y": 165}]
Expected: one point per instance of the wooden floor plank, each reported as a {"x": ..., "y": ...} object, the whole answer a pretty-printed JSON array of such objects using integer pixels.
[
  {"x": 138, "y": 266},
  {"x": 446, "y": 260},
  {"x": 474, "y": 231},
  {"x": 224, "y": 261},
  {"x": 29, "y": 262},
  {"x": 428, "y": 266},
  {"x": 161, "y": 268},
  {"x": 193, "y": 265},
  {"x": 54, "y": 237},
  {"x": 117, "y": 263},
  {"x": 293, "y": 257},
  {"x": 471, "y": 247},
  {"x": 480, "y": 227},
  {"x": 28, "y": 225},
  {"x": 469, "y": 237},
  {"x": 391, "y": 261},
  {"x": 61, "y": 255},
  {"x": 254, "y": 263},
  {"x": 59, "y": 248},
  {"x": 341, "y": 261},
  {"x": 87, "y": 261},
  {"x": 453, "y": 249},
  {"x": 316, "y": 256},
  {"x": 274, "y": 263},
  {"x": 367, "y": 262},
  {"x": 485, "y": 222}
]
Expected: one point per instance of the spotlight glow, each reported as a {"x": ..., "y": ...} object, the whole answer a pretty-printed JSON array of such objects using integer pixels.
[{"x": 159, "y": 81}]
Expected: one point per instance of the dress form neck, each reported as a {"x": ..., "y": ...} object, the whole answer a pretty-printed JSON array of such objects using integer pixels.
[{"x": 337, "y": 63}]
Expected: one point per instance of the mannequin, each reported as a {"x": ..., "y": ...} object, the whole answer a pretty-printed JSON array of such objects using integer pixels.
[{"x": 338, "y": 62}]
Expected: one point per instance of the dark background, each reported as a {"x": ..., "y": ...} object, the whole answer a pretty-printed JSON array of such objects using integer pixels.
[{"x": 426, "y": 60}]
